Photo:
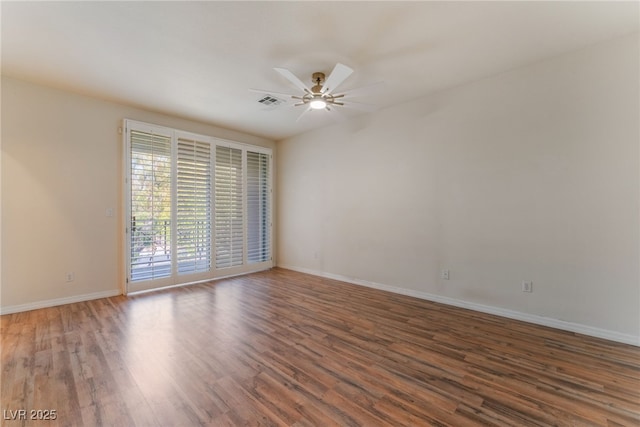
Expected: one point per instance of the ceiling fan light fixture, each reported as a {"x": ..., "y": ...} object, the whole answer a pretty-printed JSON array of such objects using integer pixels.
[{"x": 318, "y": 103}]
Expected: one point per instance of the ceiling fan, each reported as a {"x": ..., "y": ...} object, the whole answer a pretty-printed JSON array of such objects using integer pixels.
[{"x": 322, "y": 95}]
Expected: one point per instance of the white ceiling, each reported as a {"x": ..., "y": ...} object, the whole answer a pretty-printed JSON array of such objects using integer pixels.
[{"x": 197, "y": 59}]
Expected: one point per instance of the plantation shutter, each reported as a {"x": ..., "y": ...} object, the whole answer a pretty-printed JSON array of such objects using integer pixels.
[
  {"x": 150, "y": 192},
  {"x": 193, "y": 206},
  {"x": 258, "y": 208},
  {"x": 197, "y": 207},
  {"x": 229, "y": 228}
]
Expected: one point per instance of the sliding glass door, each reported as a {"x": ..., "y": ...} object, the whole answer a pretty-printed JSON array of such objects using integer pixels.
[{"x": 197, "y": 207}]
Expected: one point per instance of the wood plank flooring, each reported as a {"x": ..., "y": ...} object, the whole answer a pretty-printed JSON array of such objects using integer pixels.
[{"x": 281, "y": 348}]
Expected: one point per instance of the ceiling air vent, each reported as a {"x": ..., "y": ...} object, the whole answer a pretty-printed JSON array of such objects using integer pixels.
[{"x": 270, "y": 101}]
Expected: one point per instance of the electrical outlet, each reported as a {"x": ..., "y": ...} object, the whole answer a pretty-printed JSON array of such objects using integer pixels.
[
  {"x": 527, "y": 286},
  {"x": 444, "y": 274},
  {"x": 71, "y": 276}
]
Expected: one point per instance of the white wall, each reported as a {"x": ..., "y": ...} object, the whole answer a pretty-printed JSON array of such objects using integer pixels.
[
  {"x": 61, "y": 170},
  {"x": 529, "y": 175}
]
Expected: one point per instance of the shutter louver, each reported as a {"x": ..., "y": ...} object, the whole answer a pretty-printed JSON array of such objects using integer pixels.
[
  {"x": 229, "y": 228},
  {"x": 258, "y": 208},
  {"x": 150, "y": 206},
  {"x": 193, "y": 215}
]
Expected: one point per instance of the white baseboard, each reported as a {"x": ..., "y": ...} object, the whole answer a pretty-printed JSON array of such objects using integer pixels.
[
  {"x": 511, "y": 314},
  {"x": 58, "y": 301}
]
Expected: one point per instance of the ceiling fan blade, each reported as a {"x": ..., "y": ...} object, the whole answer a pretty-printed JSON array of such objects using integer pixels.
[
  {"x": 363, "y": 90},
  {"x": 293, "y": 79},
  {"x": 270, "y": 92},
  {"x": 338, "y": 75}
]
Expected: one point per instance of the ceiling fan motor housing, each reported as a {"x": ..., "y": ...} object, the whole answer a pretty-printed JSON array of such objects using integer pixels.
[{"x": 318, "y": 79}]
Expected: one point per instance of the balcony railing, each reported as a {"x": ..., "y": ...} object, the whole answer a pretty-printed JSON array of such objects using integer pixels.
[{"x": 151, "y": 248}]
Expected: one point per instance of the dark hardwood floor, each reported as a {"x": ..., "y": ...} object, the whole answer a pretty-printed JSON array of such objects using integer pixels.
[{"x": 288, "y": 349}]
